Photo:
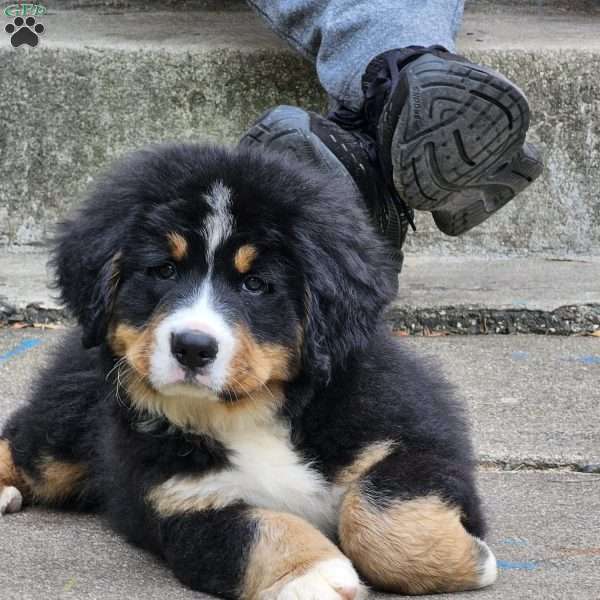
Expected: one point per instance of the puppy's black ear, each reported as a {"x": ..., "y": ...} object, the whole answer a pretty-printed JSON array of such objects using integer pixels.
[
  {"x": 86, "y": 262},
  {"x": 349, "y": 279}
]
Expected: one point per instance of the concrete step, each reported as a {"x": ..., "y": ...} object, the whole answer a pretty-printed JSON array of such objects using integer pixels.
[
  {"x": 437, "y": 295},
  {"x": 102, "y": 83},
  {"x": 467, "y": 295},
  {"x": 186, "y": 5},
  {"x": 539, "y": 6},
  {"x": 149, "y": 5},
  {"x": 534, "y": 406}
]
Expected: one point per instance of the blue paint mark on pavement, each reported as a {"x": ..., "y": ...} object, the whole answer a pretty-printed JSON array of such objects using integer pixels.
[
  {"x": 514, "y": 542},
  {"x": 507, "y": 565},
  {"x": 520, "y": 355},
  {"x": 20, "y": 348},
  {"x": 588, "y": 359}
]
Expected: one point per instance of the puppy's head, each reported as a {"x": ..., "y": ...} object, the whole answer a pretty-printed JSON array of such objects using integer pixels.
[{"x": 221, "y": 271}]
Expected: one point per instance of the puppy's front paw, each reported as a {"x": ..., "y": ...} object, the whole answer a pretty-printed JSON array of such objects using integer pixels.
[
  {"x": 11, "y": 500},
  {"x": 333, "y": 579}
]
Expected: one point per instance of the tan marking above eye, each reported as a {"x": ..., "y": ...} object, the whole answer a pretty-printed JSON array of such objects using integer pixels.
[
  {"x": 244, "y": 258},
  {"x": 178, "y": 245}
]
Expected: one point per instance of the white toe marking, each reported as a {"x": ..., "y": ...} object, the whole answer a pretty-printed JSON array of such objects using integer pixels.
[
  {"x": 488, "y": 570},
  {"x": 10, "y": 500},
  {"x": 333, "y": 579}
]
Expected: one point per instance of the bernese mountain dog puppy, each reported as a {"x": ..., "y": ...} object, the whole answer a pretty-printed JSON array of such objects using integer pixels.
[{"x": 238, "y": 405}]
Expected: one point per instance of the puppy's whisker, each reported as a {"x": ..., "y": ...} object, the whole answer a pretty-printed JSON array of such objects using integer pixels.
[
  {"x": 247, "y": 371},
  {"x": 246, "y": 391},
  {"x": 229, "y": 396},
  {"x": 116, "y": 366},
  {"x": 261, "y": 383},
  {"x": 236, "y": 396},
  {"x": 123, "y": 370}
]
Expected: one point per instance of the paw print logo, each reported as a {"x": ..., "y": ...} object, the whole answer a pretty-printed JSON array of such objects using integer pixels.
[{"x": 24, "y": 31}]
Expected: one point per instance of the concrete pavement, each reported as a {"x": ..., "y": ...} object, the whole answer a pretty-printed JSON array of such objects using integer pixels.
[
  {"x": 534, "y": 404},
  {"x": 534, "y": 400},
  {"x": 544, "y": 531}
]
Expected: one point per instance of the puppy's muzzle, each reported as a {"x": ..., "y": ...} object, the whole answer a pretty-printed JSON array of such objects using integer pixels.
[{"x": 194, "y": 349}]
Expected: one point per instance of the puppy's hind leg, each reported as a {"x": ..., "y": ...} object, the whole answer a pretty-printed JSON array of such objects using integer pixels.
[
  {"x": 12, "y": 485},
  {"x": 38, "y": 463},
  {"x": 412, "y": 525}
]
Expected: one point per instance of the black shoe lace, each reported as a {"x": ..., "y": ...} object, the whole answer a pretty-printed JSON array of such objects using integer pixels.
[{"x": 355, "y": 121}]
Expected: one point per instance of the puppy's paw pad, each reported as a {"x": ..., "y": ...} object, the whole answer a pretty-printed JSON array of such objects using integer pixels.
[
  {"x": 333, "y": 579},
  {"x": 11, "y": 500}
]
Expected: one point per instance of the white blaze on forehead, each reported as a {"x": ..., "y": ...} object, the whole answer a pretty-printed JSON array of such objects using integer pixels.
[
  {"x": 201, "y": 314},
  {"x": 219, "y": 223}
]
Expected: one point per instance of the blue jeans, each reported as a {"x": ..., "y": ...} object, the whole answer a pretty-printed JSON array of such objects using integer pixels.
[{"x": 343, "y": 36}]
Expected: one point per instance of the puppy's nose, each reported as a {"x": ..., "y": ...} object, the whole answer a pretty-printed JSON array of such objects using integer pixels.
[{"x": 194, "y": 349}]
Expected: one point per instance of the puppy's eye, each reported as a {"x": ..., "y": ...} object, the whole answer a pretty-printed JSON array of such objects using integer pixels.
[
  {"x": 165, "y": 271},
  {"x": 254, "y": 285}
]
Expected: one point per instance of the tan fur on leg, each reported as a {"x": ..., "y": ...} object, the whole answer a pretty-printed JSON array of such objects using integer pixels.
[
  {"x": 367, "y": 458},
  {"x": 286, "y": 548},
  {"x": 12, "y": 484},
  {"x": 57, "y": 480},
  {"x": 416, "y": 546},
  {"x": 9, "y": 474}
]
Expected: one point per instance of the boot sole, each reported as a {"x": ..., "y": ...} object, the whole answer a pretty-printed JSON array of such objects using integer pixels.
[{"x": 457, "y": 141}]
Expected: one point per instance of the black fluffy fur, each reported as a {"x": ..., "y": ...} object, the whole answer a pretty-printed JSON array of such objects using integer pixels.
[{"x": 356, "y": 384}]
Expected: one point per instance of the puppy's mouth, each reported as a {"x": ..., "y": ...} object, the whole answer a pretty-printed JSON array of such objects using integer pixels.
[
  {"x": 197, "y": 377},
  {"x": 190, "y": 387}
]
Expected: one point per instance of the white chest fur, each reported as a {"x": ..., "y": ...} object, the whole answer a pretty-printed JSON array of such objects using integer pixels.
[{"x": 266, "y": 472}]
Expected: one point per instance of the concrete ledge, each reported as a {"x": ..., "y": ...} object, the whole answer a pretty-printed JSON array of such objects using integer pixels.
[
  {"x": 186, "y": 5},
  {"x": 151, "y": 5},
  {"x": 470, "y": 296},
  {"x": 438, "y": 296},
  {"x": 539, "y": 6},
  {"x": 477, "y": 320},
  {"x": 114, "y": 82}
]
